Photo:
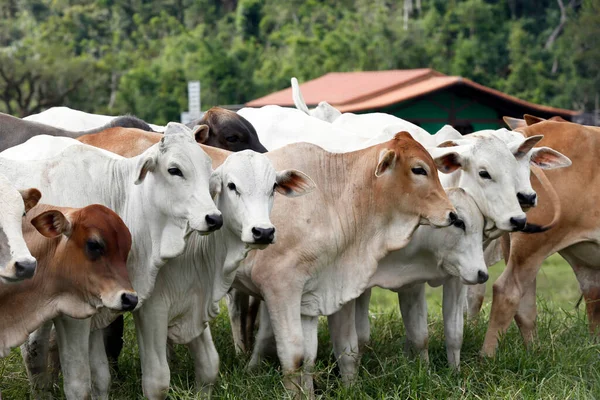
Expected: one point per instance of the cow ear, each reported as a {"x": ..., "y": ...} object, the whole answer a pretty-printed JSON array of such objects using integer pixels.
[
  {"x": 52, "y": 224},
  {"x": 514, "y": 123},
  {"x": 201, "y": 133},
  {"x": 520, "y": 148},
  {"x": 532, "y": 120},
  {"x": 215, "y": 184},
  {"x": 30, "y": 197},
  {"x": 293, "y": 183},
  {"x": 547, "y": 158},
  {"x": 387, "y": 161},
  {"x": 146, "y": 164}
]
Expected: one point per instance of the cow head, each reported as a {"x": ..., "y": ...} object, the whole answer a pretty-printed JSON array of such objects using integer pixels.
[
  {"x": 406, "y": 176},
  {"x": 459, "y": 248},
  {"x": 245, "y": 186},
  {"x": 178, "y": 172},
  {"x": 90, "y": 259},
  {"x": 228, "y": 130},
  {"x": 16, "y": 262}
]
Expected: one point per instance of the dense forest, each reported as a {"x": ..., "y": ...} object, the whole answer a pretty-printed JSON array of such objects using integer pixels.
[{"x": 135, "y": 56}]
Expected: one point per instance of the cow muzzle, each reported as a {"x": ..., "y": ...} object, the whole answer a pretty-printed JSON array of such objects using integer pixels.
[
  {"x": 527, "y": 201},
  {"x": 18, "y": 270}
]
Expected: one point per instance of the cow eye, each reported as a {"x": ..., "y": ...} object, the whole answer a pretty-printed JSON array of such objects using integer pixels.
[
  {"x": 175, "y": 172},
  {"x": 231, "y": 186},
  {"x": 484, "y": 174},
  {"x": 459, "y": 223},
  {"x": 232, "y": 139},
  {"x": 94, "y": 249},
  {"x": 419, "y": 171}
]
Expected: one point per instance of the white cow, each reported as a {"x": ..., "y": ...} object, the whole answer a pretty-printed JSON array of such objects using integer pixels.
[
  {"x": 189, "y": 287},
  {"x": 16, "y": 262},
  {"x": 75, "y": 120},
  {"x": 160, "y": 195}
]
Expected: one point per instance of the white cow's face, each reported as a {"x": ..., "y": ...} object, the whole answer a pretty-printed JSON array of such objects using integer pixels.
[
  {"x": 493, "y": 176},
  {"x": 459, "y": 247},
  {"x": 245, "y": 186},
  {"x": 16, "y": 262},
  {"x": 179, "y": 173}
]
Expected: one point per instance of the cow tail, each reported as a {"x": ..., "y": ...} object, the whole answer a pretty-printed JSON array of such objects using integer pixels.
[{"x": 554, "y": 200}]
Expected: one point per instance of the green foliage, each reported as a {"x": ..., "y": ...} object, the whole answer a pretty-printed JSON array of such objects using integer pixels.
[{"x": 115, "y": 56}]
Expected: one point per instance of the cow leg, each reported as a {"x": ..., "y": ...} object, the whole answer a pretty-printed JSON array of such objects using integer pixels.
[
  {"x": 363, "y": 325},
  {"x": 589, "y": 283},
  {"x": 474, "y": 301},
  {"x": 519, "y": 274},
  {"x": 237, "y": 305},
  {"x": 206, "y": 361},
  {"x": 342, "y": 329},
  {"x": 152, "y": 329},
  {"x": 311, "y": 345},
  {"x": 35, "y": 357},
  {"x": 527, "y": 313},
  {"x": 452, "y": 308},
  {"x": 113, "y": 341},
  {"x": 413, "y": 307},
  {"x": 99, "y": 366},
  {"x": 253, "y": 309},
  {"x": 73, "y": 338},
  {"x": 265, "y": 339}
]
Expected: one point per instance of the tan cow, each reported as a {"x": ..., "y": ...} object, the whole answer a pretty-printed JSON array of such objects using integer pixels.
[
  {"x": 575, "y": 236},
  {"x": 82, "y": 256}
]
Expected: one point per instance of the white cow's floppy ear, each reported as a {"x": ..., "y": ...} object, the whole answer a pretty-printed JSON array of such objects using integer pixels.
[
  {"x": 449, "y": 156},
  {"x": 30, "y": 198},
  {"x": 293, "y": 183},
  {"x": 215, "y": 184},
  {"x": 387, "y": 162},
  {"x": 146, "y": 164},
  {"x": 52, "y": 224},
  {"x": 547, "y": 158},
  {"x": 520, "y": 148},
  {"x": 201, "y": 133}
]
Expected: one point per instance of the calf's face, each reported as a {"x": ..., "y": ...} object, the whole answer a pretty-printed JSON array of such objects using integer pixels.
[
  {"x": 16, "y": 262},
  {"x": 91, "y": 257},
  {"x": 245, "y": 186}
]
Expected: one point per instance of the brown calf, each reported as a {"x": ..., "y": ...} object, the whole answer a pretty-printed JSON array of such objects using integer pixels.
[{"x": 82, "y": 256}]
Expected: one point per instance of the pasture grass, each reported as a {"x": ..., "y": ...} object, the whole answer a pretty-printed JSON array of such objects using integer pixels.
[{"x": 562, "y": 364}]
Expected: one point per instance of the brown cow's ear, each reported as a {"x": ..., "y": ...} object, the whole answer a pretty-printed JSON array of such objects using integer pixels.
[
  {"x": 387, "y": 161},
  {"x": 293, "y": 183},
  {"x": 52, "y": 224},
  {"x": 532, "y": 120},
  {"x": 514, "y": 123},
  {"x": 30, "y": 197},
  {"x": 201, "y": 133}
]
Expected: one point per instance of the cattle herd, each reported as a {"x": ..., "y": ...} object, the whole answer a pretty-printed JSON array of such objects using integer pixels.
[{"x": 289, "y": 214}]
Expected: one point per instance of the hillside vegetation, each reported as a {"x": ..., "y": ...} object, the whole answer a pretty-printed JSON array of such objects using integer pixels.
[{"x": 135, "y": 56}]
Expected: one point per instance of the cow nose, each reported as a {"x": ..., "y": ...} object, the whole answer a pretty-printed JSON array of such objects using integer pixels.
[
  {"x": 453, "y": 217},
  {"x": 518, "y": 223},
  {"x": 482, "y": 277},
  {"x": 128, "y": 301},
  {"x": 25, "y": 269},
  {"x": 214, "y": 221},
  {"x": 263, "y": 236},
  {"x": 526, "y": 199}
]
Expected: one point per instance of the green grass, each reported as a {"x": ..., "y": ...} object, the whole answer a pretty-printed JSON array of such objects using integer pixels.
[{"x": 563, "y": 363}]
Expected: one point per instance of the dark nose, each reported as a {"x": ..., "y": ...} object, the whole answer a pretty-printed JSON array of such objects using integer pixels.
[
  {"x": 482, "y": 277},
  {"x": 25, "y": 269},
  {"x": 526, "y": 199},
  {"x": 263, "y": 236},
  {"x": 214, "y": 221},
  {"x": 518, "y": 223},
  {"x": 128, "y": 301},
  {"x": 453, "y": 216}
]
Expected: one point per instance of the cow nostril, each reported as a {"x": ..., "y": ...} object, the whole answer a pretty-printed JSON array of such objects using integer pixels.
[
  {"x": 518, "y": 223},
  {"x": 25, "y": 269},
  {"x": 128, "y": 301},
  {"x": 482, "y": 277},
  {"x": 263, "y": 236},
  {"x": 453, "y": 216},
  {"x": 526, "y": 199},
  {"x": 214, "y": 221}
]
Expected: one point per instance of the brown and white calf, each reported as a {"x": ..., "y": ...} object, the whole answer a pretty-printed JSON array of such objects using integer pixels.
[{"x": 82, "y": 256}]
